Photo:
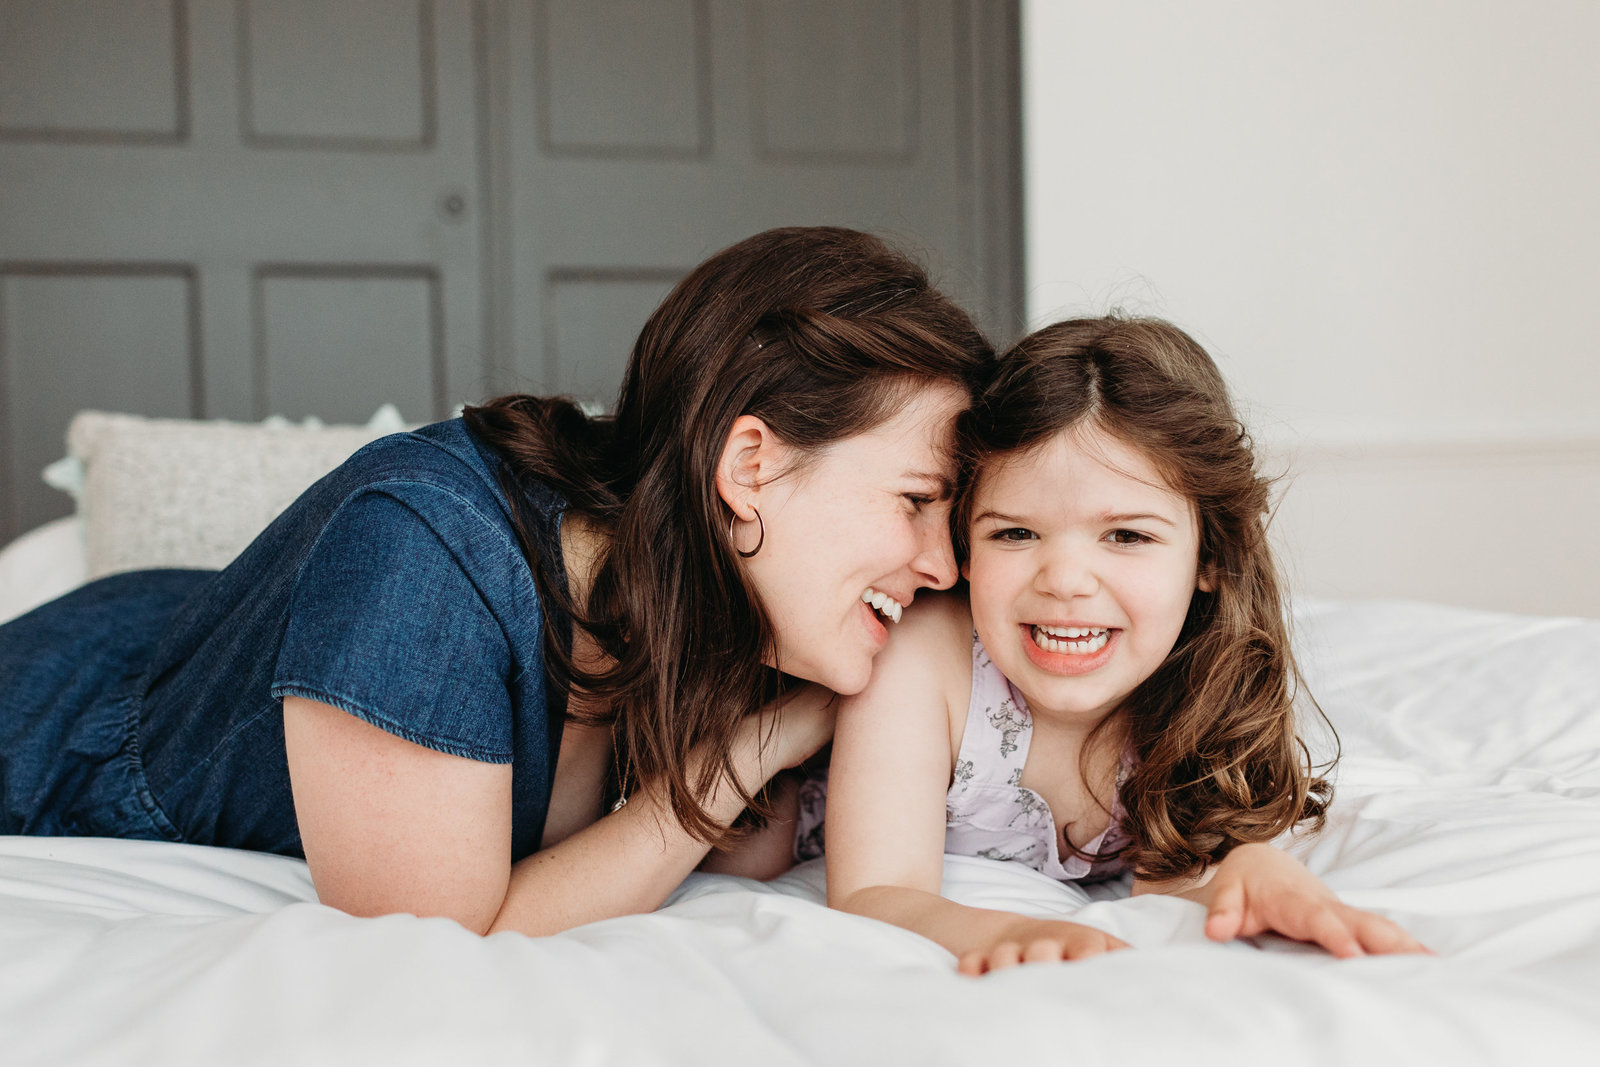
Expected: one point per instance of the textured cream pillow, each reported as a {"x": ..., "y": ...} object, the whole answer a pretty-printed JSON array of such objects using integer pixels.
[{"x": 194, "y": 493}]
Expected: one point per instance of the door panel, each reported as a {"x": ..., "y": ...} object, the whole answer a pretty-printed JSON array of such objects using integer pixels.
[
  {"x": 378, "y": 326},
  {"x": 136, "y": 46},
  {"x": 301, "y": 90},
  {"x": 835, "y": 83},
  {"x": 114, "y": 337},
  {"x": 622, "y": 79},
  {"x": 596, "y": 311}
]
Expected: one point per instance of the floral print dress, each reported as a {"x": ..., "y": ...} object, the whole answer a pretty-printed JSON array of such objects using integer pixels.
[{"x": 988, "y": 811}]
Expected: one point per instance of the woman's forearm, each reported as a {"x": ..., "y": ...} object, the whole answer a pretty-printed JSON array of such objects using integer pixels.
[{"x": 627, "y": 862}]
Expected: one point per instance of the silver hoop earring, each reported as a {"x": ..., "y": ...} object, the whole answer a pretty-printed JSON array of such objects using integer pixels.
[{"x": 761, "y": 540}]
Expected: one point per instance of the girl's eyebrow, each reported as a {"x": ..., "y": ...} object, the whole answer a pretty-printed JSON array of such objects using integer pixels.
[
  {"x": 985, "y": 516},
  {"x": 1140, "y": 517}
]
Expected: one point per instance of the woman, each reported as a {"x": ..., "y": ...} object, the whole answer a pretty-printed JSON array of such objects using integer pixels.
[{"x": 439, "y": 667}]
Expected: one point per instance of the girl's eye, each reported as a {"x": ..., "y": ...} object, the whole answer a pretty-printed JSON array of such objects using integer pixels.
[
  {"x": 1014, "y": 533},
  {"x": 1128, "y": 537}
]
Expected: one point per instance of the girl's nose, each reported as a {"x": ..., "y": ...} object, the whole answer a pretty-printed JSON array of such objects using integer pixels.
[{"x": 1067, "y": 574}]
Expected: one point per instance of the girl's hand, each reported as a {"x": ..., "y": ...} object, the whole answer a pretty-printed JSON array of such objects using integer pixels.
[
  {"x": 1038, "y": 941},
  {"x": 1259, "y": 889}
]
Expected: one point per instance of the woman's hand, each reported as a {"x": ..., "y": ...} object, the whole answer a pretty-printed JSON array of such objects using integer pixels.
[
  {"x": 1037, "y": 941},
  {"x": 791, "y": 729},
  {"x": 1261, "y": 889}
]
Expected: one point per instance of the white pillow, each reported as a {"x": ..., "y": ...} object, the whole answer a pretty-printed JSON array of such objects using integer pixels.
[
  {"x": 39, "y": 566},
  {"x": 193, "y": 493}
]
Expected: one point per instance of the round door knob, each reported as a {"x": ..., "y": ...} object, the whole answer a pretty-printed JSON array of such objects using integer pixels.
[{"x": 453, "y": 206}]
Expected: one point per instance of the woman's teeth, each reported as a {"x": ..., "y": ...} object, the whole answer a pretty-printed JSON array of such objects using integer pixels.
[
  {"x": 1079, "y": 640},
  {"x": 883, "y": 604}
]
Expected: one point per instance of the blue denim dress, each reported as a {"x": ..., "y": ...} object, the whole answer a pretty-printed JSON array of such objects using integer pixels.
[{"x": 149, "y": 704}]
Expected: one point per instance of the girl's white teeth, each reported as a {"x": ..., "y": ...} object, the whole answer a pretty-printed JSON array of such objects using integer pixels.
[
  {"x": 1061, "y": 639},
  {"x": 1072, "y": 631},
  {"x": 883, "y": 603}
]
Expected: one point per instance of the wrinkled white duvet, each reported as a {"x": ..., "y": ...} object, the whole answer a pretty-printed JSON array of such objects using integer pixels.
[{"x": 1468, "y": 810}]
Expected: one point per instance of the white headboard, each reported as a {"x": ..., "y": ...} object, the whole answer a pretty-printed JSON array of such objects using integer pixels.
[{"x": 1510, "y": 527}]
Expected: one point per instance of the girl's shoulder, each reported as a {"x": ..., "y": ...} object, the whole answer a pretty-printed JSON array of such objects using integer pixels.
[
  {"x": 936, "y": 623},
  {"x": 930, "y": 650}
]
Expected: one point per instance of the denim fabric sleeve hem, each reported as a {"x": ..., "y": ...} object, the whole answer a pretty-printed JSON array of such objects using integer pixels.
[
  {"x": 395, "y": 615},
  {"x": 367, "y": 715}
]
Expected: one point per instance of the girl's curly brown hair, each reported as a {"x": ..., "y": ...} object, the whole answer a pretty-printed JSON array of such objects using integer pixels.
[{"x": 1218, "y": 761}]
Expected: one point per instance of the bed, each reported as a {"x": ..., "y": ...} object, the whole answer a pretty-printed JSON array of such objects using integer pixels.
[{"x": 1468, "y": 809}]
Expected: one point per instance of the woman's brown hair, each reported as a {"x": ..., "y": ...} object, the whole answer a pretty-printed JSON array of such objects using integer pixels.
[
  {"x": 822, "y": 332},
  {"x": 1217, "y": 759}
]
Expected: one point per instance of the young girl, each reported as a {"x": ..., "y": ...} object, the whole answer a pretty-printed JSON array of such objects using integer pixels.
[{"x": 1114, "y": 692}]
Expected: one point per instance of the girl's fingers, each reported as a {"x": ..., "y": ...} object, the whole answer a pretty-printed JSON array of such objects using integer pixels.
[
  {"x": 1006, "y": 954},
  {"x": 1344, "y": 931},
  {"x": 1379, "y": 936},
  {"x": 1083, "y": 947},
  {"x": 1225, "y": 920},
  {"x": 1049, "y": 949},
  {"x": 973, "y": 963},
  {"x": 1329, "y": 929},
  {"x": 1318, "y": 920},
  {"x": 1091, "y": 943},
  {"x": 1044, "y": 950}
]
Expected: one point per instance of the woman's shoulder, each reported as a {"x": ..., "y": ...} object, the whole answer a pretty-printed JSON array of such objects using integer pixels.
[
  {"x": 441, "y": 452},
  {"x": 441, "y": 472},
  {"x": 426, "y": 490}
]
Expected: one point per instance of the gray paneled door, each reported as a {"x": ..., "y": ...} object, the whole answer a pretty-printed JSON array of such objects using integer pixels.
[{"x": 230, "y": 208}]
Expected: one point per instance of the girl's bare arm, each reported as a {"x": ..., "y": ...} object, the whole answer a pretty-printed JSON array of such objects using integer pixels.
[{"x": 886, "y": 791}]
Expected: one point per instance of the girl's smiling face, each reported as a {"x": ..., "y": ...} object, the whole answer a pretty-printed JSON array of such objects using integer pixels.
[{"x": 1082, "y": 567}]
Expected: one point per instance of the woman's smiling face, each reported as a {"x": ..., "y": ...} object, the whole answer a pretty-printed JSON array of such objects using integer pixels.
[
  {"x": 1082, "y": 568},
  {"x": 866, "y": 517}
]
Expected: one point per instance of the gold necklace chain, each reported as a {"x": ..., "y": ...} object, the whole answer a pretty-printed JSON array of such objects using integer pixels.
[{"x": 622, "y": 774}]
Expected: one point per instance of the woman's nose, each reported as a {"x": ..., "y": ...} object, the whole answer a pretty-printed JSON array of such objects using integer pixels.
[{"x": 936, "y": 563}]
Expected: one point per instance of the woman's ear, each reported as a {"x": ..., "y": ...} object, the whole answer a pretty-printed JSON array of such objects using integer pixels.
[
  {"x": 1206, "y": 582},
  {"x": 749, "y": 458}
]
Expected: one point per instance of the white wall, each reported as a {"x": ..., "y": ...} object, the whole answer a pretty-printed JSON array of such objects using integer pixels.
[{"x": 1383, "y": 218}]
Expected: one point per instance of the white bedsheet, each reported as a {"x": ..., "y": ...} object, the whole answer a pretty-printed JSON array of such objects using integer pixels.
[{"x": 1468, "y": 809}]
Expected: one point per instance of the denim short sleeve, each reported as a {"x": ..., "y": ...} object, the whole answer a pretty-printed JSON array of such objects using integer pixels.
[{"x": 387, "y": 622}]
